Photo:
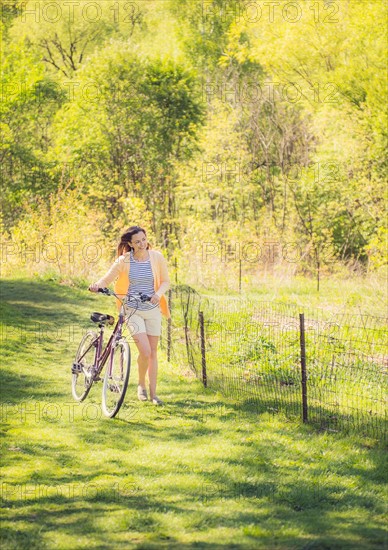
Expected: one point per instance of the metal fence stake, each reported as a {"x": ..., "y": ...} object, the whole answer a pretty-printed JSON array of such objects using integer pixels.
[
  {"x": 169, "y": 327},
  {"x": 239, "y": 277},
  {"x": 303, "y": 366},
  {"x": 203, "y": 355}
]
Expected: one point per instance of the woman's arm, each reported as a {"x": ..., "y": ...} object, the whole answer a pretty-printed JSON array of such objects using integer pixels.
[
  {"x": 164, "y": 278},
  {"x": 110, "y": 276}
]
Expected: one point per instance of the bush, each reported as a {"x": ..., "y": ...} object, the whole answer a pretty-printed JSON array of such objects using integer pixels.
[{"x": 58, "y": 238}]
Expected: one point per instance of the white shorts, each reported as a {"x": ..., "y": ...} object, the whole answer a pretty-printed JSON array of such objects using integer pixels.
[{"x": 145, "y": 321}]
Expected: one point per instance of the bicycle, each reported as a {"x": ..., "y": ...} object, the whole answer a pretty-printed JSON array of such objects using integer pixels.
[{"x": 91, "y": 358}]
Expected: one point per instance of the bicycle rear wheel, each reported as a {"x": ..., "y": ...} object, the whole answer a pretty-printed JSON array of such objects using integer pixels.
[
  {"x": 116, "y": 379},
  {"x": 84, "y": 361}
]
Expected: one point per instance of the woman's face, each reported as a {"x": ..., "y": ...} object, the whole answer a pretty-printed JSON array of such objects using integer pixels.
[{"x": 139, "y": 242}]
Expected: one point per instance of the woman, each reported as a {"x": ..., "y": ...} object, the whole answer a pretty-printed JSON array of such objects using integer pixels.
[{"x": 140, "y": 269}]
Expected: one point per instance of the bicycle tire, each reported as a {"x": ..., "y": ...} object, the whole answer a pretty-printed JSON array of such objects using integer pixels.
[
  {"x": 81, "y": 383},
  {"x": 116, "y": 382}
]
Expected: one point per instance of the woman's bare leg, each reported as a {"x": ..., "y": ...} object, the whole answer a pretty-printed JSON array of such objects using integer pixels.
[
  {"x": 143, "y": 345},
  {"x": 153, "y": 364}
]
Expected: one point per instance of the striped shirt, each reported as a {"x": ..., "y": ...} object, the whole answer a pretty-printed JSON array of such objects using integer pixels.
[{"x": 141, "y": 280}]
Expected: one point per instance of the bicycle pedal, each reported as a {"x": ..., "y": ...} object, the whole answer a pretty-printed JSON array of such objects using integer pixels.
[{"x": 76, "y": 368}]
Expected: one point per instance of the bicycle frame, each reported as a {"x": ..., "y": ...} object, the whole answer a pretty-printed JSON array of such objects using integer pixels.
[
  {"x": 89, "y": 363},
  {"x": 102, "y": 355}
]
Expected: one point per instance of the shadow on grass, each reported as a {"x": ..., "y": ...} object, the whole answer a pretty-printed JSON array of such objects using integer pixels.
[
  {"x": 320, "y": 416},
  {"x": 82, "y": 514},
  {"x": 16, "y": 386},
  {"x": 215, "y": 501},
  {"x": 216, "y": 494},
  {"x": 25, "y": 302}
]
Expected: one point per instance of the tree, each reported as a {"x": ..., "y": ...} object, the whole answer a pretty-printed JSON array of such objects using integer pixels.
[
  {"x": 29, "y": 100},
  {"x": 64, "y": 35},
  {"x": 130, "y": 136}
]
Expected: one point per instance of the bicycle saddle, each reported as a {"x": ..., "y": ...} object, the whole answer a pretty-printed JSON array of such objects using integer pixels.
[{"x": 102, "y": 318}]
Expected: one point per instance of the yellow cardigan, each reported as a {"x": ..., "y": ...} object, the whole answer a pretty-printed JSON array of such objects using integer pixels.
[{"x": 120, "y": 272}]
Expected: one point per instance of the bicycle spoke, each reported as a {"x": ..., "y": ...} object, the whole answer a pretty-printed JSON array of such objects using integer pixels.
[
  {"x": 116, "y": 379},
  {"x": 82, "y": 378}
]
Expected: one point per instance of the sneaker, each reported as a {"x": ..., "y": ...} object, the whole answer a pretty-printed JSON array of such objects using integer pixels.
[
  {"x": 142, "y": 394},
  {"x": 157, "y": 401}
]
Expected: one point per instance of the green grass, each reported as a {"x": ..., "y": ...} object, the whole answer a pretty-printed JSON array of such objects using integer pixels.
[
  {"x": 253, "y": 353},
  {"x": 338, "y": 293},
  {"x": 201, "y": 472}
]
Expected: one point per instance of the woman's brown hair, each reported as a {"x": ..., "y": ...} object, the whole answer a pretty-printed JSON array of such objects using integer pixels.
[{"x": 125, "y": 239}]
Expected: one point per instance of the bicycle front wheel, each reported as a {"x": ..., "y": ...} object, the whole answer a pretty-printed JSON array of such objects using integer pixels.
[
  {"x": 116, "y": 378},
  {"x": 84, "y": 361}
]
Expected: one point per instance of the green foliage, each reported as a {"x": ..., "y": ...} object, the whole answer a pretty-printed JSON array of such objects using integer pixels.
[
  {"x": 377, "y": 248},
  {"x": 66, "y": 35},
  {"x": 57, "y": 238},
  {"x": 203, "y": 29},
  {"x": 30, "y": 98},
  {"x": 222, "y": 122},
  {"x": 338, "y": 73},
  {"x": 143, "y": 120}
]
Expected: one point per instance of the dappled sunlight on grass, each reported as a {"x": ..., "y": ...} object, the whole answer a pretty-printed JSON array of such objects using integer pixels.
[{"x": 200, "y": 472}]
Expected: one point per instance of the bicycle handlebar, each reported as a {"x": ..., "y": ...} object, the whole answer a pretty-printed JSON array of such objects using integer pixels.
[
  {"x": 108, "y": 292},
  {"x": 105, "y": 291}
]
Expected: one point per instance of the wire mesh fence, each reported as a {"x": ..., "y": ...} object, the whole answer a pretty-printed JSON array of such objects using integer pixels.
[
  {"x": 252, "y": 350},
  {"x": 347, "y": 371}
]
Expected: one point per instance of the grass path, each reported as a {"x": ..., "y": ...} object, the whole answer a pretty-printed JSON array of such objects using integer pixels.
[{"x": 197, "y": 473}]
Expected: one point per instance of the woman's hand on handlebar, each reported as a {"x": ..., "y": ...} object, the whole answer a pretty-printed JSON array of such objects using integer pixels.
[
  {"x": 155, "y": 299},
  {"x": 93, "y": 287}
]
